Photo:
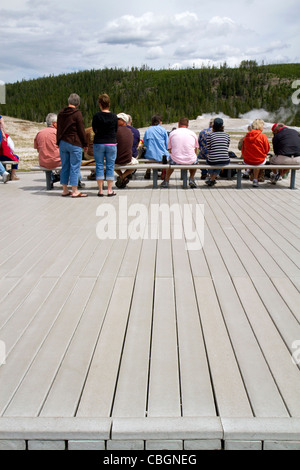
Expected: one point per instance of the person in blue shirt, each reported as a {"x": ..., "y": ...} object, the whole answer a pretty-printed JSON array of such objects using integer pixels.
[{"x": 156, "y": 142}]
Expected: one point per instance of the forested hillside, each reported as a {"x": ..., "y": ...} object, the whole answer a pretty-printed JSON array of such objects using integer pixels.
[{"x": 171, "y": 93}]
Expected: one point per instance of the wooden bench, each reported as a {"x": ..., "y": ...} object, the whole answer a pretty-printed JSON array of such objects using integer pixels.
[
  {"x": 237, "y": 165},
  {"x": 9, "y": 162},
  {"x": 155, "y": 167}
]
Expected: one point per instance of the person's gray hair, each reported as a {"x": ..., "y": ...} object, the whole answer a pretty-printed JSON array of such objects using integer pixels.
[
  {"x": 74, "y": 99},
  {"x": 50, "y": 118}
]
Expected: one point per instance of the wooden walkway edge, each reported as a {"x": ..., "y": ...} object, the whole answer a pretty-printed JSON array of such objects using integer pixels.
[{"x": 146, "y": 342}]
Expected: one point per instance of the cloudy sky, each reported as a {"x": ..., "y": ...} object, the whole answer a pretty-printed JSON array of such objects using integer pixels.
[{"x": 41, "y": 38}]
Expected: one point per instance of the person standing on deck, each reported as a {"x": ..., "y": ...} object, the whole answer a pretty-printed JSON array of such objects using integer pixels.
[{"x": 71, "y": 138}]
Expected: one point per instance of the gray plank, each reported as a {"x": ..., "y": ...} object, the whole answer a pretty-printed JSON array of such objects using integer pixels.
[
  {"x": 132, "y": 386},
  {"x": 98, "y": 392},
  {"x": 30, "y": 396},
  {"x": 164, "y": 387},
  {"x": 31, "y": 341},
  {"x": 278, "y": 356}
]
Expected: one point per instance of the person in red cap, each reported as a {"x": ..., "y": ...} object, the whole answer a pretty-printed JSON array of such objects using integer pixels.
[{"x": 286, "y": 146}]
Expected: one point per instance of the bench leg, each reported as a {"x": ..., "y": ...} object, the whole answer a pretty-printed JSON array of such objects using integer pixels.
[
  {"x": 239, "y": 179},
  {"x": 293, "y": 179},
  {"x": 155, "y": 178},
  {"x": 48, "y": 180},
  {"x": 184, "y": 178}
]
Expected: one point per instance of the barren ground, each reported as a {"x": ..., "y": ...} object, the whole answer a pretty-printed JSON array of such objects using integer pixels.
[{"x": 23, "y": 133}]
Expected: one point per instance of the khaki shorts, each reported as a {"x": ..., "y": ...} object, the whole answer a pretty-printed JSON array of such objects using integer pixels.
[{"x": 284, "y": 160}]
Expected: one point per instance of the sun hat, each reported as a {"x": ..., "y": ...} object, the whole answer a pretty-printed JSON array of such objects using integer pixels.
[{"x": 123, "y": 116}]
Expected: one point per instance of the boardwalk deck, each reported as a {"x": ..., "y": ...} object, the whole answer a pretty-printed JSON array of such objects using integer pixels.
[{"x": 133, "y": 343}]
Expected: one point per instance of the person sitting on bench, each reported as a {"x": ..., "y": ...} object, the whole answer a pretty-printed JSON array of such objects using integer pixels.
[
  {"x": 48, "y": 150},
  {"x": 183, "y": 145},
  {"x": 124, "y": 151},
  {"x": 255, "y": 148},
  {"x": 286, "y": 146}
]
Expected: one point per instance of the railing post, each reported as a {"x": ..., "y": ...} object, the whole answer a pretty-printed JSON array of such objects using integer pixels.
[
  {"x": 155, "y": 171},
  {"x": 48, "y": 180},
  {"x": 293, "y": 179},
  {"x": 239, "y": 179},
  {"x": 184, "y": 178}
]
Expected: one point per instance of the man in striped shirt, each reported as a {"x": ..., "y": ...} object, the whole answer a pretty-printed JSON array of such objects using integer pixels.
[{"x": 218, "y": 150}]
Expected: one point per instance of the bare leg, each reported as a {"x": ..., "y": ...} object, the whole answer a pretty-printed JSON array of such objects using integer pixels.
[
  {"x": 65, "y": 190},
  {"x": 255, "y": 173},
  {"x": 100, "y": 186},
  {"x": 168, "y": 174},
  {"x": 126, "y": 173},
  {"x": 109, "y": 186},
  {"x": 192, "y": 174},
  {"x": 75, "y": 191}
]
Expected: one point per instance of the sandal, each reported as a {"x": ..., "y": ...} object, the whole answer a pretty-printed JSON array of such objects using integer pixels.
[
  {"x": 65, "y": 195},
  {"x": 80, "y": 195},
  {"x": 111, "y": 194},
  {"x": 100, "y": 194}
]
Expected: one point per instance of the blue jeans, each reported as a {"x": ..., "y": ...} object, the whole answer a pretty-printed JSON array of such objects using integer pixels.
[
  {"x": 2, "y": 169},
  {"x": 71, "y": 157},
  {"x": 216, "y": 171},
  {"x": 109, "y": 153}
]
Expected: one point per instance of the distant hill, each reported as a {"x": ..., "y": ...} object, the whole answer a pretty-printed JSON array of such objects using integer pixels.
[{"x": 172, "y": 93}]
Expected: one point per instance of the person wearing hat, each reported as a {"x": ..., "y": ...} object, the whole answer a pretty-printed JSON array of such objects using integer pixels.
[
  {"x": 286, "y": 146},
  {"x": 124, "y": 150},
  {"x": 218, "y": 143},
  {"x": 105, "y": 126},
  {"x": 255, "y": 148}
]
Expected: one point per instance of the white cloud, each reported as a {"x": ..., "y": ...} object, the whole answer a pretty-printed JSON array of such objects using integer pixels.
[
  {"x": 222, "y": 26},
  {"x": 148, "y": 29},
  {"x": 154, "y": 53},
  {"x": 48, "y": 38}
]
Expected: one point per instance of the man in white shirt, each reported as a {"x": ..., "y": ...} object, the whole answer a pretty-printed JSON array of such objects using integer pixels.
[{"x": 183, "y": 145}]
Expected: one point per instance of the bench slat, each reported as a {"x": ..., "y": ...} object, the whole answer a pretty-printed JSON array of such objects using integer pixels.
[{"x": 239, "y": 166}]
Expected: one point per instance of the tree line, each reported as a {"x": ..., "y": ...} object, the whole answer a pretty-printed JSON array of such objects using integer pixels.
[{"x": 143, "y": 92}]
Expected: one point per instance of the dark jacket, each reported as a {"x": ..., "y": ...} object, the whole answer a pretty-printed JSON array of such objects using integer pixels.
[
  {"x": 70, "y": 127},
  {"x": 124, "y": 148},
  {"x": 287, "y": 142}
]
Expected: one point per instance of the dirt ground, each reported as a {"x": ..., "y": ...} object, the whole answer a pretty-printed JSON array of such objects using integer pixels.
[{"x": 23, "y": 133}]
